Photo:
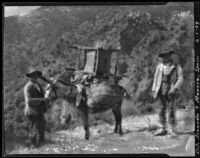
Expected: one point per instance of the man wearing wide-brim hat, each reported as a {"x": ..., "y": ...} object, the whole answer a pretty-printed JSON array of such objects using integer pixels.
[
  {"x": 36, "y": 106},
  {"x": 168, "y": 79}
]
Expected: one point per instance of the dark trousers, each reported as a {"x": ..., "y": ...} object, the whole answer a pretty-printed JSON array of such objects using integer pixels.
[
  {"x": 167, "y": 102},
  {"x": 36, "y": 128}
]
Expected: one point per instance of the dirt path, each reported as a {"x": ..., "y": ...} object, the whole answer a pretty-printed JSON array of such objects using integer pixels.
[{"x": 137, "y": 138}]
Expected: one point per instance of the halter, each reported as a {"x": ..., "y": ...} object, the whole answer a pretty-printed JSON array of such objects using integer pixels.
[{"x": 51, "y": 91}]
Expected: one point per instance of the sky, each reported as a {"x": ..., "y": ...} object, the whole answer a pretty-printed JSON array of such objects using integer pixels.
[{"x": 18, "y": 10}]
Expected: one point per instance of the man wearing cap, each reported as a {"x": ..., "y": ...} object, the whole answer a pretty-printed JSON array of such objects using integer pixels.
[
  {"x": 35, "y": 107},
  {"x": 167, "y": 80}
]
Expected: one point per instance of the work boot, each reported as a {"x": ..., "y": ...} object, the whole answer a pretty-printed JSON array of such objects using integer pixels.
[{"x": 161, "y": 132}]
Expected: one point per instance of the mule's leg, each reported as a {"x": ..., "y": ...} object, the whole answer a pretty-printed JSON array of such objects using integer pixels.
[
  {"x": 118, "y": 118},
  {"x": 116, "y": 115},
  {"x": 86, "y": 125}
]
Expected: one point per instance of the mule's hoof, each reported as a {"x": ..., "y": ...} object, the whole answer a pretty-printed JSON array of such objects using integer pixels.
[
  {"x": 87, "y": 137},
  {"x": 115, "y": 131},
  {"x": 121, "y": 133}
]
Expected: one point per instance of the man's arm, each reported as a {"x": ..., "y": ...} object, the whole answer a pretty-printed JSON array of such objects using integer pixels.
[
  {"x": 155, "y": 82},
  {"x": 155, "y": 79},
  {"x": 180, "y": 78}
]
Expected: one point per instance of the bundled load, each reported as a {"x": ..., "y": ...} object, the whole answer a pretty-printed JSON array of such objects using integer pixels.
[
  {"x": 93, "y": 72},
  {"x": 102, "y": 95}
]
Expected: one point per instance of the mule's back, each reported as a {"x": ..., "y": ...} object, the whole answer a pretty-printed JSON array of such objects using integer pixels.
[{"x": 102, "y": 96}]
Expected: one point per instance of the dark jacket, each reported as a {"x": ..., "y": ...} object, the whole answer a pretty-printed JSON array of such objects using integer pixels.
[{"x": 34, "y": 99}]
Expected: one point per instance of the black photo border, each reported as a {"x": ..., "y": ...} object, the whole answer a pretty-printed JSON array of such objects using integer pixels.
[{"x": 196, "y": 70}]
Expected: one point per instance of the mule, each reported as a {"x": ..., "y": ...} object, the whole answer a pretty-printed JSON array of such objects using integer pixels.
[{"x": 76, "y": 94}]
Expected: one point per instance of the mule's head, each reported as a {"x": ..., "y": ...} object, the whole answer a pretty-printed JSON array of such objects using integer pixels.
[
  {"x": 81, "y": 98},
  {"x": 58, "y": 89},
  {"x": 51, "y": 90}
]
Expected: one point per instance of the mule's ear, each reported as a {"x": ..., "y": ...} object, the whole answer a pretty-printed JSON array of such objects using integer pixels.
[
  {"x": 47, "y": 86},
  {"x": 55, "y": 81},
  {"x": 51, "y": 79}
]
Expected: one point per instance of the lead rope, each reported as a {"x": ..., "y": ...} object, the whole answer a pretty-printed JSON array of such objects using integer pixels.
[{"x": 71, "y": 140}]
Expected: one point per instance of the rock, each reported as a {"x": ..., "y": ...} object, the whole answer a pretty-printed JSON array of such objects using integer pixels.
[
  {"x": 56, "y": 150},
  {"x": 61, "y": 140},
  {"x": 190, "y": 146},
  {"x": 75, "y": 147}
]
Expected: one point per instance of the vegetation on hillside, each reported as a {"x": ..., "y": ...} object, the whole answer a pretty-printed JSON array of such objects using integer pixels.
[{"x": 41, "y": 39}]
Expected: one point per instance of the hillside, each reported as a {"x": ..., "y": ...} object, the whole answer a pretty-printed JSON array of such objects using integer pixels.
[{"x": 41, "y": 39}]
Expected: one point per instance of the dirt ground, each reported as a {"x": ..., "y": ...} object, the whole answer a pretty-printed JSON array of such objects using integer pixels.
[{"x": 137, "y": 138}]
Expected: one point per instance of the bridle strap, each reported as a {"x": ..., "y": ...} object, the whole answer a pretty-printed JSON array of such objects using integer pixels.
[{"x": 66, "y": 84}]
